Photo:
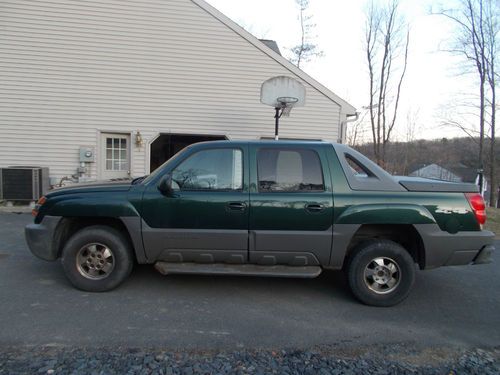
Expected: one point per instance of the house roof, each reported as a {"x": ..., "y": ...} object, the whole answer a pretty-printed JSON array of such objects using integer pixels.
[
  {"x": 415, "y": 167},
  {"x": 466, "y": 174},
  {"x": 346, "y": 108},
  {"x": 272, "y": 44}
]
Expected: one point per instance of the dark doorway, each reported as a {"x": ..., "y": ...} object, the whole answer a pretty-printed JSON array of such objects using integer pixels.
[{"x": 167, "y": 145}]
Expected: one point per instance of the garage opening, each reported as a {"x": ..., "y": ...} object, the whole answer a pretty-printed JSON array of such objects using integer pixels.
[{"x": 167, "y": 145}]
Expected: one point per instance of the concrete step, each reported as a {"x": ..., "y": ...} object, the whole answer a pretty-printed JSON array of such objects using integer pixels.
[{"x": 167, "y": 268}]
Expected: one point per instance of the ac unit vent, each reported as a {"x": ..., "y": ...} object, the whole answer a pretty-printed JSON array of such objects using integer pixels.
[{"x": 23, "y": 183}]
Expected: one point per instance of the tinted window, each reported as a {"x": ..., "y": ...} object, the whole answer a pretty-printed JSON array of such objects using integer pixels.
[
  {"x": 356, "y": 167},
  {"x": 289, "y": 170},
  {"x": 219, "y": 169}
]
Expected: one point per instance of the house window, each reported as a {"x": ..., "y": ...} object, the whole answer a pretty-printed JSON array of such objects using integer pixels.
[{"x": 116, "y": 154}]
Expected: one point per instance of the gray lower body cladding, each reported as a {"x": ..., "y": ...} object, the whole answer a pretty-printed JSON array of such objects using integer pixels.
[
  {"x": 441, "y": 248},
  {"x": 235, "y": 246},
  {"x": 45, "y": 239},
  {"x": 40, "y": 238},
  {"x": 484, "y": 255},
  {"x": 446, "y": 249}
]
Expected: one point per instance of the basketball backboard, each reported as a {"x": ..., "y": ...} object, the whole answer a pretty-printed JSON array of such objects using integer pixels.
[{"x": 283, "y": 92}]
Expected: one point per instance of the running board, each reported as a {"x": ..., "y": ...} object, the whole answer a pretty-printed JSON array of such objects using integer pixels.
[{"x": 308, "y": 272}]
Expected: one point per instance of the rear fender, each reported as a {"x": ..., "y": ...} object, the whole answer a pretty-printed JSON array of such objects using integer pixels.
[
  {"x": 386, "y": 214},
  {"x": 349, "y": 222}
]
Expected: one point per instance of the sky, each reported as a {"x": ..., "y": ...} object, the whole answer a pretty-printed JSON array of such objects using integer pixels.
[{"x": 433, "y": 82}]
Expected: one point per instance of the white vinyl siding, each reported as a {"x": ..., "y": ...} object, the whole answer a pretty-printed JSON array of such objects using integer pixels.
[{"x": 71, "y": 70}]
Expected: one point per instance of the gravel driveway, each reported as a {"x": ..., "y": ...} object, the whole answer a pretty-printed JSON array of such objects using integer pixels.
[{"x": 265, "y": 325}]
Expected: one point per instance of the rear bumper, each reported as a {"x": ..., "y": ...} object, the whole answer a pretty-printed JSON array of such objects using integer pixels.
[
  {"x": 484, "y": 255},
  {"x": 40, "y": 238},
  {"x": 446, "y": 249}
]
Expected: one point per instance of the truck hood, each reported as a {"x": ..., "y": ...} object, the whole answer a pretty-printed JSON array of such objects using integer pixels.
[
  {"x": 427, "y": 184},
  {"x": 94, "y": 187}
]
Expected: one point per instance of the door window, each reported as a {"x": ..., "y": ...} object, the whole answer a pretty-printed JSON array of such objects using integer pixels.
[
  {"x": 116, "y": 154},
  {"x": 292, "y": 170},
  {"x": 214, "y": 170}
]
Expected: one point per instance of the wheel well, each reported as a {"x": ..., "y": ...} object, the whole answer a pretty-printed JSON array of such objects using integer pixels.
[
  {"x": 404, "y": 234},
  {"x": 70, "y": 225}
]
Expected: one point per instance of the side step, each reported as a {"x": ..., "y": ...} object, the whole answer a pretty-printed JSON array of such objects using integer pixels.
[{"x": 308, "y": 272}]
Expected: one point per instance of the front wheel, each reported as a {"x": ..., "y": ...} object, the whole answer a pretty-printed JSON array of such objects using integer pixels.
[
  {"x": 381, "y": 273},
  {"x": 97, "y": 259}
]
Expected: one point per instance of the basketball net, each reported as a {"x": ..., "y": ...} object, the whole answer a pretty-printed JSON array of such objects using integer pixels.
[{"x": 286, "y": 110}]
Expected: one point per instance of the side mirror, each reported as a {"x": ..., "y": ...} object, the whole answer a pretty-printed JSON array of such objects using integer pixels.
[{"x": 165, "y": 185}]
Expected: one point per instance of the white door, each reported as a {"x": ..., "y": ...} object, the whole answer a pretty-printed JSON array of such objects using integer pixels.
[{"x": 115, "y": 162}]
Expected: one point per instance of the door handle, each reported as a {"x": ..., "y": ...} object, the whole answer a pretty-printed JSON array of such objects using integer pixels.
[
  {"x": 237, "y": 206},
  {"x": 314, "y": 207}
]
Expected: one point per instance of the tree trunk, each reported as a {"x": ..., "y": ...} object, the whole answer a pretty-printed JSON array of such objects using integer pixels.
[
  {"x": 493, "y": 184},
  {"x": 481, "y": 128}
]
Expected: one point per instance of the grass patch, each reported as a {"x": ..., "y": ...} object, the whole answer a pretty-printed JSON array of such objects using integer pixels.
[{"x": 493, "y": 220}]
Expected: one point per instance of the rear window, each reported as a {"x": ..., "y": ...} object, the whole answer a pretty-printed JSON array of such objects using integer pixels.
[
  {"x": 289, "y": 170},
  {"x": 357, "y": 168}
]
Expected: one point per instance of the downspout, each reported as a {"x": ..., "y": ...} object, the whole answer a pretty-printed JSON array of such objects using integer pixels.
[{"x": 344, "y": 123}]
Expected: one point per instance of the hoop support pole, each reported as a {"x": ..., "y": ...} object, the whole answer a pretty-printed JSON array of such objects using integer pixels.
[{"x": 276, "y": 123}]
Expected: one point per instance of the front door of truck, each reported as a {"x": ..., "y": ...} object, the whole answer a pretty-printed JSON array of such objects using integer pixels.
[
  {"x": 291, "y": 205},
  {"x": 205, "y": 219}
]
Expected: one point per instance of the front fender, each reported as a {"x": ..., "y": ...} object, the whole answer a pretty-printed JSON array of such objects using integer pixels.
[
  {"x": 114, "y": 205},
  {"x": 386, "y": 214},
  {"x": 88, "y": 206}
]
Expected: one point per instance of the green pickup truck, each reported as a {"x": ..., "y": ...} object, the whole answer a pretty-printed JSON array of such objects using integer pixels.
[{"x": 264, "y": 208}]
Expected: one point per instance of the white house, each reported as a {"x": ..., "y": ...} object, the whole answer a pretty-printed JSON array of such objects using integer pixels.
[
  {"x": 453, "y": 173},
  {"x": 134, "y": 81},
  {"x": 436, "y": 172}
]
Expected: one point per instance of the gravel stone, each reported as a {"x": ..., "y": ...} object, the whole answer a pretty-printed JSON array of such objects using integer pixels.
[{"x": 328, "y": 361}]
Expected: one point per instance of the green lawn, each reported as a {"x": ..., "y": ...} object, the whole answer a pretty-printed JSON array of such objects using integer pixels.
[{"x": 493, "y": 220}]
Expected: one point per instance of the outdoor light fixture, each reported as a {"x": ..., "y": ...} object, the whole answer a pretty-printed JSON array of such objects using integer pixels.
[{"x": 138, "y": 139}]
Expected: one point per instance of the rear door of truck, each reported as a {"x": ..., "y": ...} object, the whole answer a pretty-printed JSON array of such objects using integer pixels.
[{"x": 291, "y": 204}]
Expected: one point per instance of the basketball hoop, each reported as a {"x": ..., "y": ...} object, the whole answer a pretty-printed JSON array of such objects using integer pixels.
[
  {"x": 287, "y": 100},
  {"x": 287, "y": 103},
  {"x": 282, "y": 93}
]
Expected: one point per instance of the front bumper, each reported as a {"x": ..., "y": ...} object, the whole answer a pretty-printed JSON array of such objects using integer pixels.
[{"x": 40, "y": 238}]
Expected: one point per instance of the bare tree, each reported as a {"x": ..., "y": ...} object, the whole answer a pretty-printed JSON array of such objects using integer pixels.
[
  {"x": 492, "y": 29},
  {"x": 412, "y": 127},
  {"x": 462, "y": 112},
  {"x": 476, "y": 40},
  {"x": 387, "y": 38},
  {"x": 356, "y": 132},
  {"x": 307, "y": 48}
]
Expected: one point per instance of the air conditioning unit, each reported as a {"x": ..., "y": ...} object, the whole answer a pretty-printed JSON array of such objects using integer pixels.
[{"x": 23, "y": 183}]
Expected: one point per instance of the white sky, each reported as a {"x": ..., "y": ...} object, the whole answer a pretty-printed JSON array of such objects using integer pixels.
[{"x": 431, "y": 83}]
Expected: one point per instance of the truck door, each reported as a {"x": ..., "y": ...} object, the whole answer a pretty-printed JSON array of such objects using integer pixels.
[
  {"x": 206, "y": 218},
  {"x": 291, "y": 205}
]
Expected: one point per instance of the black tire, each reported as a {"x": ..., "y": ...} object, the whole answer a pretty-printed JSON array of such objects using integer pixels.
[
  {"x": 88, "y": 243},
  {"x": 371, "y": 275}
]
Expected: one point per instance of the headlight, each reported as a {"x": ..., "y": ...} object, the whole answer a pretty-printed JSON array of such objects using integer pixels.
[{"x": 38, "y": 204}]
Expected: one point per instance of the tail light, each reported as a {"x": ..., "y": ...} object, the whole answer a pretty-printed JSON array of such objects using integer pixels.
[
  {"x": 476, "y": 202},
  {"x": 38, "y": 204}
]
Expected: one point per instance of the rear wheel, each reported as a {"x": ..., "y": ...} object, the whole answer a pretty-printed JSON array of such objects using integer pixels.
[
  {"x": 97, "y": 259},
  {"x": 381, "y": 273}
]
